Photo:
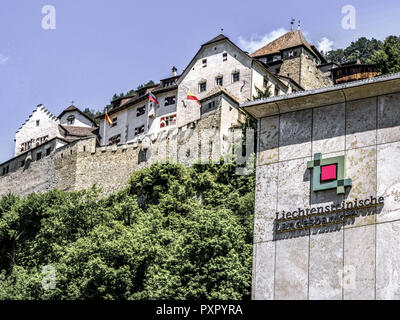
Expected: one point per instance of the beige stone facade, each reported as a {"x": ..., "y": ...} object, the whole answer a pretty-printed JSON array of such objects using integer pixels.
[{"x": 357, "y": 258}]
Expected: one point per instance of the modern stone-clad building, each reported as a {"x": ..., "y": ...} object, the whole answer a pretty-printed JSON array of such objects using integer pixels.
[{"x": 327, "y": 211}]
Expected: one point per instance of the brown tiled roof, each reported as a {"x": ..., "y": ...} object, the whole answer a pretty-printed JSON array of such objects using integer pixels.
[
  {"x": 71, "y": 131},
  {"x": 288, "y": 40},
  {"x": 217, "y": 38},
  {"x": 73, "y": 108},
  {"x": 216, "y": 91}
]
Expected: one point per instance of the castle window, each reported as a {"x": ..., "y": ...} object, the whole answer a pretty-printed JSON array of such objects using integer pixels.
[
  {"x": 276, "y": 58},
  {"x": 235, "y": 76},
  {"x": 26, "y": 145},
  {"x": 204, "y": 62},
  {"x": 114, "y": 140},
  {"x": 71, "y": 120},
  {"x": 168, "y": 83},
  {"x": 167, "y": 121},
  {"x": 48, "y": 151},
  {"x": 140, "y": 111},
  {"x": 38, "y": 156},
  {"x": 276, "y": 91},
  {"x": 219, "y": 81},
  {"x": 37, "y": 123},
  {"x": 114, "y": 122},
  {"x": 22, "y": 163},
  {"x": 202, "y": 86},
  {"x": 209, "y": 106},
  {"x": 224, "y": 56},
  {"x": 266, "y": 82},
  {"x": 142, "y": 157},
  {"x": 139, "y": 130},
  {"x": 5, "y": 170},
  {"x": 41, "y": 140},
  {"x": 169, "y": 100}
]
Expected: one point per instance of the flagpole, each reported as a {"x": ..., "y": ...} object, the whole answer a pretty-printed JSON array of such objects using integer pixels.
[
  {"x": 104, "y": 138},
  {"x": 147, "y": 120}
]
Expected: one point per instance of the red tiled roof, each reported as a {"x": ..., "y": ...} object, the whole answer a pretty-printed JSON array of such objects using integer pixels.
[{"x": 288, "y": 40}]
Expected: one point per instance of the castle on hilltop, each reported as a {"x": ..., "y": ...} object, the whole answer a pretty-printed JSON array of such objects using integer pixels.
[{"x": 71, "y": 152}]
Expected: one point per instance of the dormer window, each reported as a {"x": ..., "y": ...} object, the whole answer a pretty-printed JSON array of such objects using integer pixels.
[
  {"x": 71, "y": 120},
  {"x": 276, "y": 58},
  {"x": 168, "y": 83}
]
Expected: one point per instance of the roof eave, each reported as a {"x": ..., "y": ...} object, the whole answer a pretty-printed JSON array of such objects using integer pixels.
[{"x": 323, "y": 96}]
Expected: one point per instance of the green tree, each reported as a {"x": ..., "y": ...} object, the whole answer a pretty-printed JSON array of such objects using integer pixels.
[
  {"x": 337, "y": 56},
  {"x": 148, "y": 83},
  {"x": 387, "y": 59},
  {"x": 93, "y": 114},
  {"x": 261, "y": 94},
  {"x": 361, "y": 49},
  {"x": 172, "y": 233}
]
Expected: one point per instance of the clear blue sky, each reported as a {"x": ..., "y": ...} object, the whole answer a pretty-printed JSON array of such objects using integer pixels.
[{"x": 104, "y": 47}]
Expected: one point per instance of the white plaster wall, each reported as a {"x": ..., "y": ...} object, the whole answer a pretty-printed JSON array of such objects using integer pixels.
[
  {"x": 128, "y": 121},
  {"x": 135, "y": 122},
  {"x": 48, "y": 126},
  {"x": 189, "y": 110},
  {"x": 113, "y": 131},
  {"x": 80, "y": 120},
  {"x": 162, "y": 111},
  {"x": 258, "y": 76}
]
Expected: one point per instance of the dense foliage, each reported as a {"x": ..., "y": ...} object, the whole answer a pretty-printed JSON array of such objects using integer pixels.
[
  {"x": 173, "y": 233},
  {"x": 385, "y": 55},
  {"x": 361, "y": 49},
  {"x": 387, "y": 59}
]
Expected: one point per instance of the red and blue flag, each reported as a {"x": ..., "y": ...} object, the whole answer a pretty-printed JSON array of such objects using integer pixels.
[{"x": 152, "y": 98}]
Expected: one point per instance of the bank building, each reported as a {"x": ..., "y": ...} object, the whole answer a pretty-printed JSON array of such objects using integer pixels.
[
  {"x": 327, "y": 206},
  {"x": 327, "y": 198}
]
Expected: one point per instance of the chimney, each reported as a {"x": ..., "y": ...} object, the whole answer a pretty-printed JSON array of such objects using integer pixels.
[{"x": 174, "y": 70}]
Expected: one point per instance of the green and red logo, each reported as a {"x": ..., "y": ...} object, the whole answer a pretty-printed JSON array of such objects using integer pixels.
[{"x": 329, "y": 173}]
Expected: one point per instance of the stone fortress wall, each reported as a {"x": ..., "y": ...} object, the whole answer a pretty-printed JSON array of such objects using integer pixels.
[{"x": 81, "y": 164}]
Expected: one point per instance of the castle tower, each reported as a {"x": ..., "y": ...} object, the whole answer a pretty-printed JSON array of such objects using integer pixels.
[{"x": 291, "y": 56}]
